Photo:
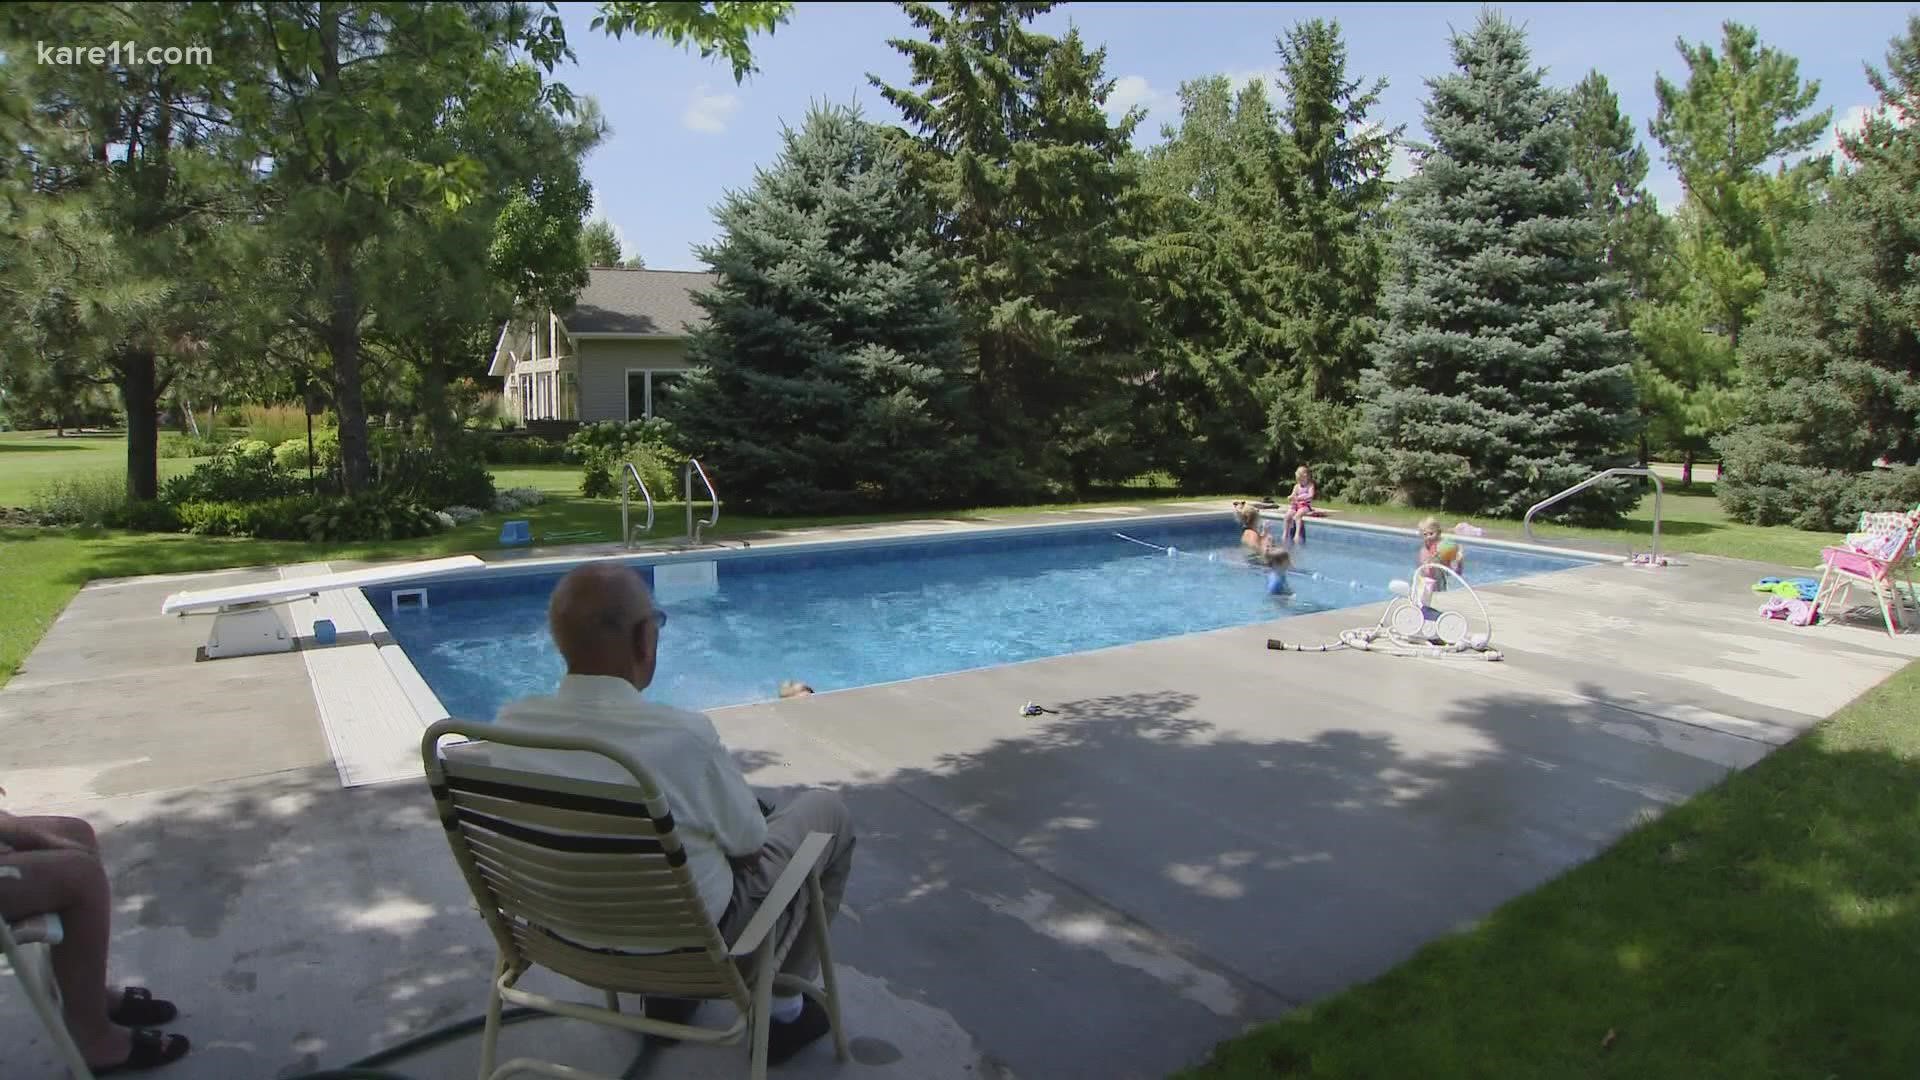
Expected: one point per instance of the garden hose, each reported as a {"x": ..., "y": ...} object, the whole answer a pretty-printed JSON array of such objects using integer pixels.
[{"x": 371, "y": 1067}]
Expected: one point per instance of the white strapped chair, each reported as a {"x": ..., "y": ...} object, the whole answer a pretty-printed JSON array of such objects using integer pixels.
[
  {"x": 587, "y": 879},
  {"x": 26, "y": 943}
]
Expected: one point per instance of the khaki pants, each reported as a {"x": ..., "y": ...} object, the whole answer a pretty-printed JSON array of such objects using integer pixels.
[{"x": 787, "y": 826}]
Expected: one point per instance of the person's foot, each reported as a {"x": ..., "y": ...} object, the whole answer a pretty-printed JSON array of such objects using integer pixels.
[
  {"x": 135, "y": 1006},
  {"x": 135, "y": 1050},
  {"x": 672, "y": 1010},
  {"x": 788, "y": 1039}
]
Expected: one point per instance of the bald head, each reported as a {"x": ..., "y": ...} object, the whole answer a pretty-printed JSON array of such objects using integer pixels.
[{"x": 601, "y": 619}]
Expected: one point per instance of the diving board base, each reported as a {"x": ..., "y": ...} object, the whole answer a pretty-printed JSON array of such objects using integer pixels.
[{"x": 248, "y": 631}]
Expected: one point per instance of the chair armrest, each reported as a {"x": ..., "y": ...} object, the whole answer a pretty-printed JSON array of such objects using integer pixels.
[{"x": 785, "y": 888}]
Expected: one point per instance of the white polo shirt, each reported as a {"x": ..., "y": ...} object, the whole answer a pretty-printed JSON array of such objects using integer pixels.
[{"x": 714, "y": 812}]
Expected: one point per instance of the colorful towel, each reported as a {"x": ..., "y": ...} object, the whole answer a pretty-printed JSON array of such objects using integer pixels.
[
  {"x": 1800, "y": 588},
  {"x": 1795, "y": 612}
]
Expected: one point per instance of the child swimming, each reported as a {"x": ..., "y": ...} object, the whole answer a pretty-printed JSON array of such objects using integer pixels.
[{"x": 1277, "y": 561}]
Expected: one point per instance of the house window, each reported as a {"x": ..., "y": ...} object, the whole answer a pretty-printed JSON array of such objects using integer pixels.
[{"x": 650, "y": 393}]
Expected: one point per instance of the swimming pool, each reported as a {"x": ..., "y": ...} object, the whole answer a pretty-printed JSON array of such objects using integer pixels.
[{"x": 857, "y": 614}]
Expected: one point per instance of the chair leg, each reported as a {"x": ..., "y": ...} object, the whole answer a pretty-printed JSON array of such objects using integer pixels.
[
  {"x": 762, "y": 1018},
  {"x": 490, "y": 1038},
  {"x": 45, "y": 1004},
  {"x": 823, "y": 946},
  {"x": 1883, "y": 592},
  {"x": 613, "y": 1001}
]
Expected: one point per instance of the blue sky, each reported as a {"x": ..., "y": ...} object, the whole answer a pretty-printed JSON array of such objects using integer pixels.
[{"x": 682, "y": 133}]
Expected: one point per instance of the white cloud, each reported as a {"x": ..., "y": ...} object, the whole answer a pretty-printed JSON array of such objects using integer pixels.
[
  {"x": 1851, "y": 121},
  {"x": 1266, "y": 77},
  {"x": 709, "y": 112},
  {"x": 1128, "y": 91},
  {"x": 1401, "y": 166}
]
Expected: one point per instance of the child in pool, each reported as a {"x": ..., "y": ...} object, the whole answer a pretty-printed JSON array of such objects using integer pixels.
[
  {"x": 1277, "y": 562},
  {"x": 1435, "y": 552},
  {"x": 1299, "y": 505},
  {"x": 1253, "y": 531}
]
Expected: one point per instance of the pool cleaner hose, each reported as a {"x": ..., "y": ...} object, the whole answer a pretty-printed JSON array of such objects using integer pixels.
[
  {"x": 1408, "y": 629},
  {"x": 372, "y": 1067}
]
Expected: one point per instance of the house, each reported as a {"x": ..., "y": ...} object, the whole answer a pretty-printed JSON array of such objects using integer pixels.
[{"x": 615, "y": 356}]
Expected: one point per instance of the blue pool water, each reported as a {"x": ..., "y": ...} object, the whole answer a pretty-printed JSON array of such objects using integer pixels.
[{"x": 865, "y": 615}]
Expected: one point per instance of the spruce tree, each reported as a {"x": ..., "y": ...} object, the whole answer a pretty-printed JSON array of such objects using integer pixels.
[
  {"x": 1028, "y": 179},
  {"x": 1501, "y": 376},
  {"x": 830, "y": 374}
]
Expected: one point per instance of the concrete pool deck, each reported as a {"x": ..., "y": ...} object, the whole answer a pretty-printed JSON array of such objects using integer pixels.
[{"x": 1202, "y": 835}]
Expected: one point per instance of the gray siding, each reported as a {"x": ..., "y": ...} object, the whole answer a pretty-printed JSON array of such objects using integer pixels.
[{"x": 603, "y": 372}]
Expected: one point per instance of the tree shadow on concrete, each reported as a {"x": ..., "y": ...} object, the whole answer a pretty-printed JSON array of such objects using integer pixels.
[{"x": 1140, "y": 876}]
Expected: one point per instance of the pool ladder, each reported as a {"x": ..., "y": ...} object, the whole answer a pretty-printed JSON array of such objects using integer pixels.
[
  {"x": 630, "y": 480},
  {"x": 1526, "y": 523}
]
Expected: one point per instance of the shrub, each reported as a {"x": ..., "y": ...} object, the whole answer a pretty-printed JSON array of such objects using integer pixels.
[
  {"x": 604, "y": 448},
  {"x": 460, "y": 515},
  {"x": 517, "y": 499},
  {"x": 275, "y": 424},
  {"x": 268, "y": 519},
  {"x": 523, "y": 450},
  {"x": 243, "y": 472},
  {"x": 377, "y": 516},
  {"x": 90, "y": 499},
  {"x": 149, "y": 516},
  {"x": 292, "y": 454},
  {"x": 1761, "y": 483},
  {"x": 175, "y": 445},
  {"x": 454, "y": 475}
]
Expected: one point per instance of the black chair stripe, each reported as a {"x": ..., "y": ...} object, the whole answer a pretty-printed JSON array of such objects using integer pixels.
[
  {"x": 571, "y": 842},
  {"x": 558, "y": 800}
]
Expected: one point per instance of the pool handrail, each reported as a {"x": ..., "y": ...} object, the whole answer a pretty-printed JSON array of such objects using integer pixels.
[
  {"x": 628, "y": 481},
  {"x": 694, "y": 527},
  {"x": 1526, "y": 523}
]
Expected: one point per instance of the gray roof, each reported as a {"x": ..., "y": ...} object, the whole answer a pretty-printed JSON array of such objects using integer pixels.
[{"x": 656, "y": 303}]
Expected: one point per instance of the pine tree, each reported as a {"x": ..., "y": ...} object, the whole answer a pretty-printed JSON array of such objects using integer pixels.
[
  {"x": 600, "y": 243},
  {"x": 1832, "y": 360},
  {"x": 1332, "y": 188},
  {"x": 1612, "y": 166},
  {"x": 830, "y": 375},
  {"x": 1215, "y": 345},
  {"x": 1029, "y": 179},
  {"x": 1500, "y": 377}
]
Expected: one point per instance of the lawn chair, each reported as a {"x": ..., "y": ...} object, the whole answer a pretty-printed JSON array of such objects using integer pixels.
[
  {"x": 588, "y": 880},
  {"x": 1879, "y": 556},
  {"x": 25, "y": 944}
]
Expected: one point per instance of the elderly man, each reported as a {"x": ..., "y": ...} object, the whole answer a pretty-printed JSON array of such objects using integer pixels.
[{"x": 608, "y": 631}]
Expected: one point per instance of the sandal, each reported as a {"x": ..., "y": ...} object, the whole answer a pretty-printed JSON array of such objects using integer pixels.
[
  {"x": 138, "y": 1008},
  {"x": 152, "y": 1048}
]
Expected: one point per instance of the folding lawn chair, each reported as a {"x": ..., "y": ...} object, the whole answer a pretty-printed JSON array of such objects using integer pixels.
[{"x": 587, "y": 879}]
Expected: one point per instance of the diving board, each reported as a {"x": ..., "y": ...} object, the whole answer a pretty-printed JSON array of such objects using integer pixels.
[{"x": 245, "y": 624}]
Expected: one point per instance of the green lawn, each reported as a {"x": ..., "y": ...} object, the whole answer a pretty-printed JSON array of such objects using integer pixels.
[
  {"x": 1691, "y": 522},
  {"x": 30, "y": 459},
  {"x": 1768, "y": 928}
]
